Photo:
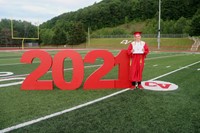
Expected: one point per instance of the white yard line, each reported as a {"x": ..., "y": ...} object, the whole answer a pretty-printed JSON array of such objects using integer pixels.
[
  {"x": 71, "y": 68},
  {"x": 175, "y": 70},
  {"x": 21, "y": 75},
  {"x": 168, "y": 56},
  {"x": 11, "y": 59},
  {"x": 146, "y": 59},
  {"x": 11, "y": 64},
  {"x": 83, "y": 105}
]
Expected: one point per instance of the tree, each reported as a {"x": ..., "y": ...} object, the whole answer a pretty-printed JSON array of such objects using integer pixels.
[
  {"x": 5, "y": 37},
  {"x": 59, "y": 37},
  {"x": 46, "y": 35},
  {"x": 195, "y": 25},
  {"x": 180, "y": 25},
  {"x": 20, "y": 29},
  {"x": 76, "y": 33}
]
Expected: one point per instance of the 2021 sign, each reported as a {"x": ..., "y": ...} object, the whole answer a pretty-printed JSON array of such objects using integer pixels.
[{"x": 94, "y": 81}]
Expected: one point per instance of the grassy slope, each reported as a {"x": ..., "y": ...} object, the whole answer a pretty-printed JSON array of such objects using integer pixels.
[
  {"x": 166, "y": 43},
  {"x": 183, "y": 44}
]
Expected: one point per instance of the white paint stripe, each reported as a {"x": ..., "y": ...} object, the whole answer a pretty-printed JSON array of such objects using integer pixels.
[
  {"x": 114, "y": 50},
  {"x": 175, "y": 70},
  {"x": 9, "y": 58},
  {"x": 155, "y": 65},
  {"x": 168, "y": 66},
  {"x": 11, "y": 64},
  {"x": 22, "y": 63},
  {"x": 65, "y": 69},
  {"x": 81, "y": 105},
  {"x": 11, "y": 84},
  {"x": 2, "y": 74},
  {"x": 198, "y": 69},
  {"x": 61, "y": 112},
  {"x": 167, "y": 56},
  {"x": 21, "y": 75}
]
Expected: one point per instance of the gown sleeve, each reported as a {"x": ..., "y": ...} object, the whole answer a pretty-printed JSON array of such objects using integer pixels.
[
  {"x": 129, "y": 51},
  {"x": 146, "y": 50}
]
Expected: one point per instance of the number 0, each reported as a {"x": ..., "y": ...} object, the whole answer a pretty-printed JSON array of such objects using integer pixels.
[{"x": 58, "y": 70}]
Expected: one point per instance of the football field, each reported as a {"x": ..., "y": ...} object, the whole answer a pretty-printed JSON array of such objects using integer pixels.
[{"x": 107, "y": 110}]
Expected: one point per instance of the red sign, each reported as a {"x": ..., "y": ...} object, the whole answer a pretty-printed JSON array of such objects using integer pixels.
[{"x": 94, "y": 81}]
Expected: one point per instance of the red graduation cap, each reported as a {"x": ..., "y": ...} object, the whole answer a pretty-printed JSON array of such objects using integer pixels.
[{"x": 137, "y": 33}]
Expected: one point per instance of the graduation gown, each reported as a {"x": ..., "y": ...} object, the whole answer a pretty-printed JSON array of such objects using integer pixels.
[{"x": 137, "y": 61}]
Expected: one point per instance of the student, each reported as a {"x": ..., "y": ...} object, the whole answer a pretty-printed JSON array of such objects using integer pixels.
[{"x": 137, "y": 50}]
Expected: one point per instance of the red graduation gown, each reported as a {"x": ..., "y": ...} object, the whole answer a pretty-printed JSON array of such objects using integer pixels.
[{"x": 137, "y": 63}]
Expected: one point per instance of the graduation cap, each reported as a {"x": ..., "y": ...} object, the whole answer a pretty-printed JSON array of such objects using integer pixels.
[{"x": 136, "y": 34}]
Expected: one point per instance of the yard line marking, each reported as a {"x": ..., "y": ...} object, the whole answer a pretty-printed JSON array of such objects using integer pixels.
[
  {"x": 13, "y": 83},
  {"x": 59, "y": 113},
  {"x": 168, "y": 66},
  {"x": 83, "y": 105},
  {"x": 10, "y": 64},
  {"x": 176, "y": 70},
  {"x": 155, "y": 65},
  {"x": 9, "y": 58},
  {"x": 14, "y": 76},
  {"x": 2, "y": 74},
  {"x": 146, "y": 59},
  {"x": 168, "y": 56},
  {"x": 198, "y": 69},
  {"x": 70, "y": 68}
]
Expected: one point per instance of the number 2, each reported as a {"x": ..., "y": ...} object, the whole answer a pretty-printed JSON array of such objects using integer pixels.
[
  {"x": 31, "y": 82},
  {"x": 94, "y": 80}
]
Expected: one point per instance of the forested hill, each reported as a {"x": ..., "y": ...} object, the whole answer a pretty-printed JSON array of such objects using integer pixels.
[
  {"x": 110, "y": 17},
  {"x": 109, "y": 13}
]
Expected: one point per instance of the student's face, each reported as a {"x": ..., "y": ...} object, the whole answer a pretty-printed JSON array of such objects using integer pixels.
[{"x": 137, "y": 38}]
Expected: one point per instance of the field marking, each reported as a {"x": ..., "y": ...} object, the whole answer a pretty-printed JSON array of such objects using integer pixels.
[
  {"x": 14, "y": 76},
  {"x": 2, "y": 74},
  {"x": 83, "y": 105},
  {"x": 85, "y": 66},
  {"x": 11, "y": 84},
  {"x": 33, "y": 61},
  {"x": 10, "y": 58},
  {"x": 145, "y": 59},
  {"x": 176, "y": 70},
  {"x": 168, "y": 56}
]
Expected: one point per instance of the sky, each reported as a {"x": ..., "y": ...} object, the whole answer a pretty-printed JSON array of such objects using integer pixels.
[{"x": 39, "y": 11}]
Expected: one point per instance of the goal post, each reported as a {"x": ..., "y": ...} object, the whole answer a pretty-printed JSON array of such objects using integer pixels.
[{"x": 24, "y": 38}]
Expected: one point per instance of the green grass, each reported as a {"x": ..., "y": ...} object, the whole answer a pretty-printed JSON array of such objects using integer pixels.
[{"x": 131, "y": 111}]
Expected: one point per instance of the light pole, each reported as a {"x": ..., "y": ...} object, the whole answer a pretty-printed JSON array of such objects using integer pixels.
[
  {"x": 88, "y": 35},
  {"x": 159, "y": 15}
]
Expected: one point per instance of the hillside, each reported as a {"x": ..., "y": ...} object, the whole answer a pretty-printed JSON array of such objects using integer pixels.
[
  {"x": 110, "y": 13},
  {"x": 123, "y": 17},
  {"x": 111, "y": 17}
]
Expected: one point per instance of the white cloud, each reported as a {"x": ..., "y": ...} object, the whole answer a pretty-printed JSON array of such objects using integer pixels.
[{"x": 40, "y": 10}]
